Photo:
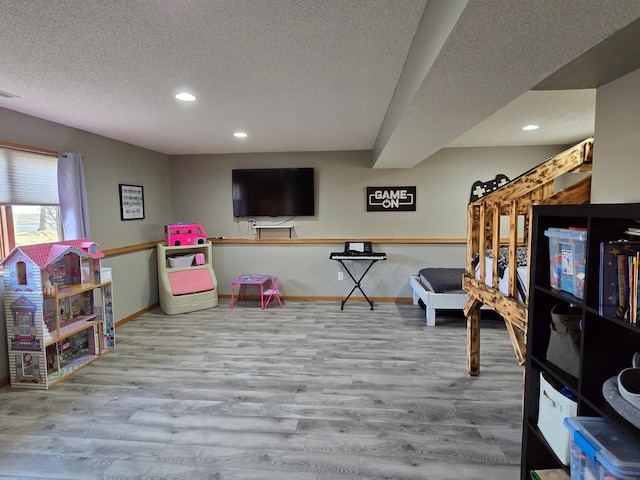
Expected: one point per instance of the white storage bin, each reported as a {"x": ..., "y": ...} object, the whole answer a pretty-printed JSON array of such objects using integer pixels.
[{"x": 554, "y": 407}]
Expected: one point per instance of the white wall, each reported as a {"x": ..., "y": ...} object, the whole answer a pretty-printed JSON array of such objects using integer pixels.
[{"x": 616, "y": 151}]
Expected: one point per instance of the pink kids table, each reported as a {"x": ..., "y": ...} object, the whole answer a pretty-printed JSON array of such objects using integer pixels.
[{"x": 249, "y": 279}]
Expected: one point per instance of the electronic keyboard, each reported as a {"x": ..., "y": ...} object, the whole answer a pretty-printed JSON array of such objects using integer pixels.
[
  {"x": 357, "y": 256},
  {"x": 367, "y": 254}
]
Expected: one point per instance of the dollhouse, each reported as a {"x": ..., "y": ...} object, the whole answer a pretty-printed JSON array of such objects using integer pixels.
[{"x": 58, "y": 310}]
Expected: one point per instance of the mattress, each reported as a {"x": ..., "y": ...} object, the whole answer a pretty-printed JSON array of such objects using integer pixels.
[
  {"x": 449, "y": 280},
  {"x": 442, "y": 280}
]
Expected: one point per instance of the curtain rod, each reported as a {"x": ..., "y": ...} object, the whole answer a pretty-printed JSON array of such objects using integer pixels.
[{"x": 26, "y": 148}]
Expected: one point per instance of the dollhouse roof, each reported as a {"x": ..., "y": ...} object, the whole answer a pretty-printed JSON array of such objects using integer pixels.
[{"x": 43, "y": 254}]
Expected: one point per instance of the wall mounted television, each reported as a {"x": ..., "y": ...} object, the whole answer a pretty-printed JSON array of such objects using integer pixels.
[{"x": 273, "y": 192}]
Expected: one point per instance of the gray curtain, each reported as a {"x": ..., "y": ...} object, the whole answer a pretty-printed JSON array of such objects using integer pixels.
[{"x": 73, "y": 196}]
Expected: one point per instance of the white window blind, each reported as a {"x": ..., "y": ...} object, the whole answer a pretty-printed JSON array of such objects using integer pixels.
[{"x": 28, "y": 178}]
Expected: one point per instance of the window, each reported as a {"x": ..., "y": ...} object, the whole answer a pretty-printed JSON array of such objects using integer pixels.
[
  {"x": 29, "y": 205},
  {"x": 36, "y": 224}
]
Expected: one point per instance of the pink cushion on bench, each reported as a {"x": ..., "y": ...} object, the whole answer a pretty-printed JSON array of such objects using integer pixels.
[{"x": 190, "y": 281}]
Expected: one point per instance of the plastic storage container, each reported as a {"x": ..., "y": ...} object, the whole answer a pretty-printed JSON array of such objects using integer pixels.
[
  {"x": 554, "y": 406},
  {"x": 601, "y": 451},
  {"x": 567, "y": 247}
]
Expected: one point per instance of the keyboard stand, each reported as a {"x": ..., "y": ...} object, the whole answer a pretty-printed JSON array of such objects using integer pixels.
[{"x": 373, "y": 258}]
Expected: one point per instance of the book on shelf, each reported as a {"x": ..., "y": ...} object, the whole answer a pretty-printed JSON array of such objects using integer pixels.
[
  {"x": 636, "y": 294},
  {"x": 633, "y": 276},
  {"x": 619, "y": 292},
  {"x": 623, "y": 291},
  {"x": 608, "y": 281}
]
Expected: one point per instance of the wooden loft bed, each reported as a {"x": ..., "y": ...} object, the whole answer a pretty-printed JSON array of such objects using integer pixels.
[{"x": 513, "y": 203}]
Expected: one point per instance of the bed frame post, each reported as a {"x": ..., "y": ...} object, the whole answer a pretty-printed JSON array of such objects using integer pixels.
[
  {"x": 475, "y": 231},
  {"x": 472, "y": 311}
]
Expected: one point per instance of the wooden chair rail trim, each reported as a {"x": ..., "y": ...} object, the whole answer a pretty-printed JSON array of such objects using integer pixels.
[{"x": 112, "y": 252}]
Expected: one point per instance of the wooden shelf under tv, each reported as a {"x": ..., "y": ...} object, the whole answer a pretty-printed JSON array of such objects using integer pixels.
[{"x": 258, "y": 228}]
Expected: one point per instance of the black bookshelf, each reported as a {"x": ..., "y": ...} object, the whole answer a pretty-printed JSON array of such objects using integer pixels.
[{"x": 607, "y": 343}]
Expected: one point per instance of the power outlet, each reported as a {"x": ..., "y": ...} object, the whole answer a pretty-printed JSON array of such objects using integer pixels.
[{"x": 340, "y": 275}]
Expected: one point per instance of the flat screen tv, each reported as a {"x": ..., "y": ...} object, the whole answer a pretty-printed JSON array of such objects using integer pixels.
[{"x": 273, "y": 192}]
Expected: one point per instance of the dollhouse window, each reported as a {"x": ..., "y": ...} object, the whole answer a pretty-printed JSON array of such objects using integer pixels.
[
  {"x": 21, "y": 270},
  {"x": 25, "y": 327}
]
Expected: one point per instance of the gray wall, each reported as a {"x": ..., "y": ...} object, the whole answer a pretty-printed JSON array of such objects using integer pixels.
[
  {"x": 201, "y": 192},
  {"x": 616, "y": 151}
]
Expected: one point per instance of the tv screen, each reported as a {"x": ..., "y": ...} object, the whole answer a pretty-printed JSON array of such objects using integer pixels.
[{"x": 273, "y": 192}]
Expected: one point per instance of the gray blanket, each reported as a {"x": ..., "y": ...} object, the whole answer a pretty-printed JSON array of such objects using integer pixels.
[{"x": 442, "y": 280}]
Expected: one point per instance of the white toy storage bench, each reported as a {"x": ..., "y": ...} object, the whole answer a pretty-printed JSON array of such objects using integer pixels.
[{"x": 186, "y": 280}]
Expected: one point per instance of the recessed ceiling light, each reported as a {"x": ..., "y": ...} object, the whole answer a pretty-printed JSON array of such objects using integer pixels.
[
  {"x": 185, "y": 97},
  {"x": 240, "y": 134},
  {"x": 531, "y": 126}
]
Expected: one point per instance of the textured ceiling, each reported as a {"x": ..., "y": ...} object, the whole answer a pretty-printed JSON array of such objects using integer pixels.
[
  {"x": 308, "y": 75},
  {"x": 295, "y": 74},
  {"x": 564, "y": 116}
]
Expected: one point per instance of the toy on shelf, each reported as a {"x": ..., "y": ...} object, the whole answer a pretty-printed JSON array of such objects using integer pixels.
[{"x": 177, "y": 234}]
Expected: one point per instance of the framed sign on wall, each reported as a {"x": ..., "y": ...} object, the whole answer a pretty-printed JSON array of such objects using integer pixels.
[
  {"x": 131, "y": 202},
  {"x": 391, "y": 199}
]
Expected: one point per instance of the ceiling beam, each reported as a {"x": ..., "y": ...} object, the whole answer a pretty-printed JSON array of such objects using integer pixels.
[{"x": 494, "y": 54}]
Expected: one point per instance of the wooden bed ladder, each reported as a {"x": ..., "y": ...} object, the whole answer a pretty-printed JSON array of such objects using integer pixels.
[{"x": 486, "y": 229}]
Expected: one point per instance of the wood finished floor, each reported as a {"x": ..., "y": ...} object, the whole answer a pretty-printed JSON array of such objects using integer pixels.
[{"x": 306, "y": 392}]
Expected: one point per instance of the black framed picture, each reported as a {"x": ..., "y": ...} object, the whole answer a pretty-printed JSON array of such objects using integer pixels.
[
  {"x": 131, "y": 202},
  {"x": 391, "y": 199}
]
